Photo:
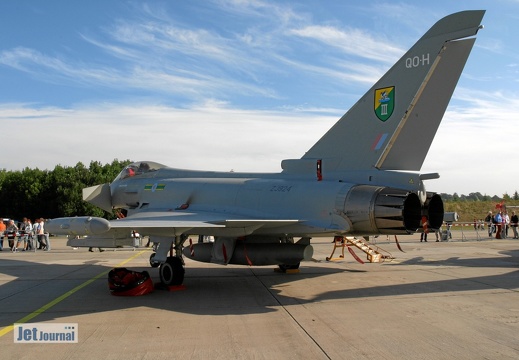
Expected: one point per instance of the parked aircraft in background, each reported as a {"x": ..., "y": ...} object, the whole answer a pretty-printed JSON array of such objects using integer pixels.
[{"x": 361, "y": 178}]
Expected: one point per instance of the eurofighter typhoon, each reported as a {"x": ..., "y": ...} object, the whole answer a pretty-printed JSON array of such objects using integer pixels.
[{"x": 361, "y": 178}]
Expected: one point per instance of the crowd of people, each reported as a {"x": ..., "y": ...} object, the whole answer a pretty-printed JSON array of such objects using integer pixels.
[
  {"x": 24, "y": 236},
  {"x": 500, "y": 223}
]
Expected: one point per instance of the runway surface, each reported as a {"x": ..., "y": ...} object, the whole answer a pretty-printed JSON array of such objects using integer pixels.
[{"x": 438, "y": 300}]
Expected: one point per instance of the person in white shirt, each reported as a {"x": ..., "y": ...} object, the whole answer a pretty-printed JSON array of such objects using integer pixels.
[
  {"x": 40, "y": 233},
  {"x": 27, "y": 239},
  {"x": 11, "y": 231}
]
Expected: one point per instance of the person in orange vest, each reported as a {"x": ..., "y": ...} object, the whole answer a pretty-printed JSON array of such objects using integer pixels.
[
  {"x": 2, "y": 233},
  {"x": 425, "y": 226}
]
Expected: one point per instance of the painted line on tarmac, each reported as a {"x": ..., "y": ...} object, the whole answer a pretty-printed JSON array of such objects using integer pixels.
[{"x": 59, "y": 299}]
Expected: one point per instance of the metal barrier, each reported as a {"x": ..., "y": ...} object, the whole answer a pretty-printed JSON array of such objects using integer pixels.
[{"x": 478, "y": 227}]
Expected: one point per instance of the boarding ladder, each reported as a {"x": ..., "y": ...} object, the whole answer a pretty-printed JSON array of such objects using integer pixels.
[{"x": 373, "y": 252}]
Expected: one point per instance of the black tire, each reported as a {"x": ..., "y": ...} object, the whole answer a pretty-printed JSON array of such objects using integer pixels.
[
  {"x": 172, "y": 271},
  {"x": 153, "y": 263},
  {"x": 285, "y": 267}
]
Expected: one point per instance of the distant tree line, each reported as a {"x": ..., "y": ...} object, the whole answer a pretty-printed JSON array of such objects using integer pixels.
[
  {"x": 477, "y": 196},
  {"x": 35, "y": 193}
]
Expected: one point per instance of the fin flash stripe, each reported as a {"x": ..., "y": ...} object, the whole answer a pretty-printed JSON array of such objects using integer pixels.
[{"x": 379, "y": 141}]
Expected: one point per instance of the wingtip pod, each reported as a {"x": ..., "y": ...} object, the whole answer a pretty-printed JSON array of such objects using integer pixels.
[{"x": 81, "y": 225}]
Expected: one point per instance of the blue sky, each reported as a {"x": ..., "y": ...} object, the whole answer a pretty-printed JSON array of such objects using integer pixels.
[{"x": 240, "y": 84}]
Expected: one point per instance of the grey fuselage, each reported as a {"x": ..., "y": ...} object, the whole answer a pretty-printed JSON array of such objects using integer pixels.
[{"x": 364, "y": 202}]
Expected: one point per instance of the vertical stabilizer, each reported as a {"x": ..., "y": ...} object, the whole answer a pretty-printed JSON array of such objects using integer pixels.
[{"x": 392, "y": 126}]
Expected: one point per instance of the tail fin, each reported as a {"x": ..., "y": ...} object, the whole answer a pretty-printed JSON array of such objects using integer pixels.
[{"x": 392, "y": 126}]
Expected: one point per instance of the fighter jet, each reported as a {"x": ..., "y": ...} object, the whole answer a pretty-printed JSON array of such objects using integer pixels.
[{"x": 360, "y": 179}]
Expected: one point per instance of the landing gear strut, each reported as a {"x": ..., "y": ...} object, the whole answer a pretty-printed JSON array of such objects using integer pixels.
[
  {"x": 154, "y": 263},
  {"x": 171, "y": 270}
]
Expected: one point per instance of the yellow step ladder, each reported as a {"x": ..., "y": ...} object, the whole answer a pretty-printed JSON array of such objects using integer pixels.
[{"x": 374, "y": 253}]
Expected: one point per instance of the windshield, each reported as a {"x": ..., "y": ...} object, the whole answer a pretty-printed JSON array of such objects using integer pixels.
[{"x": 138, "y": 168}]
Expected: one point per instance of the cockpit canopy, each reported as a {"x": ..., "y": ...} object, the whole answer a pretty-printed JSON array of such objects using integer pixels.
[{"x": 138, "y": 168}]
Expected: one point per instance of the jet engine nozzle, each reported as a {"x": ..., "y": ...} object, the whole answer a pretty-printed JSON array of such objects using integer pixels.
[
  {"x": 434, "y": 210},
  {"x": 374, "y": 210}
]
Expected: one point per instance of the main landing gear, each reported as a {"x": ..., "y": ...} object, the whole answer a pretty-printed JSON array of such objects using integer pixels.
[
  {"x": 171, "y": 268},
  {"x": 172, "y": 271}
]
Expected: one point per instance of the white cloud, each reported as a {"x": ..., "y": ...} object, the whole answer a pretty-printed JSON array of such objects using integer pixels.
[
  {"x": 158, "y": 56},
  {"x": 209, "y": 137},
  {"x": 474, "y": 149},
  {"x": 476, "y": 145},
  {"x": 352, "y": 41}
]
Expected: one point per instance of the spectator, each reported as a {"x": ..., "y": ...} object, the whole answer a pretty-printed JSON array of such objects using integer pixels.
[
  {"x": 438, "y": 232},
  {"x": 490, "y": 222},
  {"x": 513, "y": 222},
  {"x": 498, "y": 220},
  {"x": 28, "y": 245},
  {"x": 425, "y": 225},
  {"x": 449, "y": 232},
  {"x": 40, "y": 234},
  {"x": 11, "y": 234},
  {"x": 46, "y": 236},
  {"x": 506, "y": 224},
  {"x": 2, "y": 233}
]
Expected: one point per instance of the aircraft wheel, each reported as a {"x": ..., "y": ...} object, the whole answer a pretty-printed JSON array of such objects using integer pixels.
[
  {"x": 172, "y": 271},
  {"x": 153, "y": 263},
  {"x": 285, "y": 267}
]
